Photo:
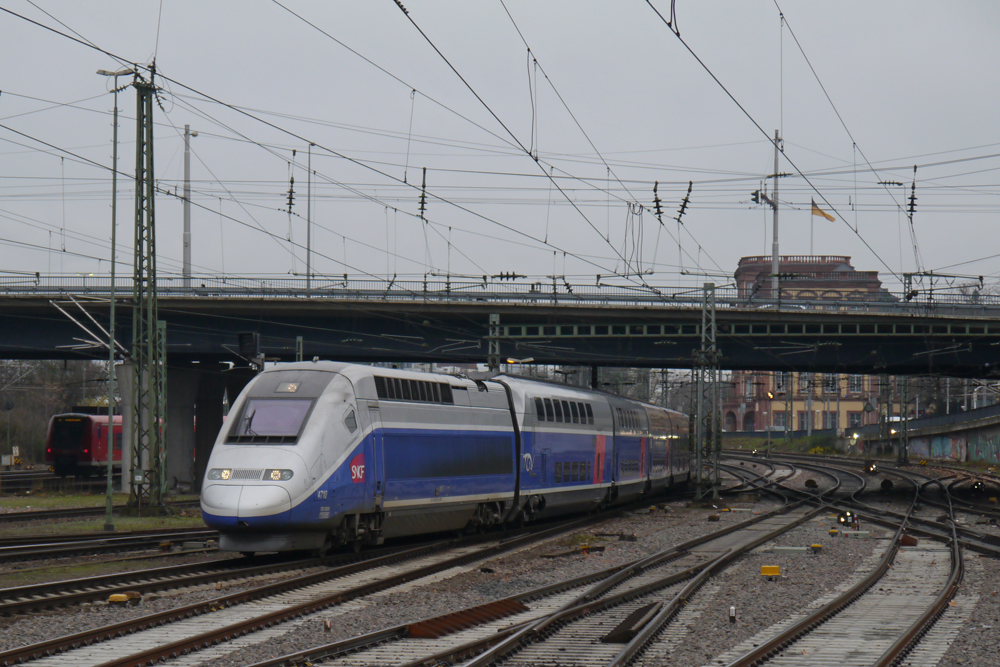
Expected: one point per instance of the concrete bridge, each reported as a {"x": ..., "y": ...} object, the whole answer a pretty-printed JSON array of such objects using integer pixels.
[{"x": 595, "y": 325}]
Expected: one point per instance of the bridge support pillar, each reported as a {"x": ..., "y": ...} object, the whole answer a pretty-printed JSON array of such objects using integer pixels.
[
  {"x": 182, "y": 390},
  {"x": 213, "y": 384}
]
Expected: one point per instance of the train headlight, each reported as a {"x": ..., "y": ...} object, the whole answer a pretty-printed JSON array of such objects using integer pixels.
[
  {"x": 220, "y": 473},
  {"x": 278, "y": 475}
]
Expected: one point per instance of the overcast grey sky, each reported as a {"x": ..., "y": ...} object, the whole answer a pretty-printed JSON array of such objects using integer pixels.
[{"x": 615, "y": 103}]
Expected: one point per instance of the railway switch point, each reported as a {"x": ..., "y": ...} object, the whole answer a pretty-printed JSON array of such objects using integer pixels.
[{"x": 770, "y": 571}]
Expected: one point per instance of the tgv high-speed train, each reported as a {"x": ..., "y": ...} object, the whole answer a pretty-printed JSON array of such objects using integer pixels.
[{"x": 315, "y": 455}]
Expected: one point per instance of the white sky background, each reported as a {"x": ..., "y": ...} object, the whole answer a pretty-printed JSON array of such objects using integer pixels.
[{"x": 913, "y": 81}]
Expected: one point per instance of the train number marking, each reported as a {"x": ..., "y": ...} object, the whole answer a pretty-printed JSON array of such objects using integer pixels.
[
  {"x": 321, "y": 495},
  {"x": 358, "y": 469},
  {"x": 529, "y": 462}
]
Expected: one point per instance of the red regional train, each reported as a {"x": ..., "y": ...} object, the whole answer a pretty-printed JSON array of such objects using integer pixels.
[{"x": 77, "y": 444}]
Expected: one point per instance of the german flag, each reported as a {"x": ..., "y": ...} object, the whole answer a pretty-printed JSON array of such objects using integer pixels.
[{"x": 820, "y": 212}]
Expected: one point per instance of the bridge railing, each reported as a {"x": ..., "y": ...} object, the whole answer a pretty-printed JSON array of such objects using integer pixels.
[{"x": 438, "y": 290}]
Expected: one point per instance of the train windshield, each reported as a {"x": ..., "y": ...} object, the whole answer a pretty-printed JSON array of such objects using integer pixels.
[
  {"x": 68, "y": 432},
  {"x": 272, "y": 418}
]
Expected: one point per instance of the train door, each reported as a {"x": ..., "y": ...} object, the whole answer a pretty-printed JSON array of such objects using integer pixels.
[
  {"x": 616, "y": 449},
  {"x": 377, "y": 470}
]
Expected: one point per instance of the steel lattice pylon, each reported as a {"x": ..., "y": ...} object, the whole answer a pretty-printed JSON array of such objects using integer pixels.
[
  {"x": 708, "y": 439},
  {"x": 148, "y": 383}
]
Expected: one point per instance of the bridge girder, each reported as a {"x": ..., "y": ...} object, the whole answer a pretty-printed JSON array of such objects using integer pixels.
[{"x": 203, "y": 329}]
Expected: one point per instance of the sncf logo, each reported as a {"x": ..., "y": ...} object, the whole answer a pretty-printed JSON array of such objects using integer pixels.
[{"x": 358, "y": 469}]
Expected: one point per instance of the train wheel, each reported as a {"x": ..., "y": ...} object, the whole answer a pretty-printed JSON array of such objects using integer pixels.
[{"x": 356, "y": 546}]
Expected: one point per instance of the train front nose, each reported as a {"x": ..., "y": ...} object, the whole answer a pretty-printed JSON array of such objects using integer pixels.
[{"x": 248, "y": 498}]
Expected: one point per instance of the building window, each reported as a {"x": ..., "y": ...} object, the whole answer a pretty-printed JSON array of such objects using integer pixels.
[
  {"x": 748, "y": 385},
  {"x": 804, "y": 420},
  {"x": 779, "y": 420},
  {"x": 782, "y": 381},
  {"x": 805, "y": 382},
  {"x": 855, "y": 419},
  {"x": 855, "y": 384},
  {"x": 831, "y": 383},
  {"x": 829, "y": 420}
]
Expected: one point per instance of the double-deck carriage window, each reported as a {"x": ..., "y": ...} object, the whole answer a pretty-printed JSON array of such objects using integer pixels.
[
  {"x": 413, "y": 390},
  {"x": 558, "y": 472},
  {"x": 566, "y": 412}
]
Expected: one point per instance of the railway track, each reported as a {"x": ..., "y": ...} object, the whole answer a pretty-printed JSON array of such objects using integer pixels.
[
  {"x": 17, "y": 481},
  {"x": 868, "y": 625},
  {"x": 178, "y": 631},
  {"x": 64, "y": 546},
  {"x": 74, "y": 512},
  {"x": 564, "y": 621},
  {"x": 646, "y": 602},
  {"x": 36, "y": 597}
]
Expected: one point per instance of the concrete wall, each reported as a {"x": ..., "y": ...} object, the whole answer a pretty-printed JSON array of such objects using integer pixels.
[{"x": 981, "y": 444}]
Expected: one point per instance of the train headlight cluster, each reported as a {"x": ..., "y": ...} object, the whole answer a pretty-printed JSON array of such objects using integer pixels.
[
  {"x": 278, "y": 475},
  {"x": 220, "y": 473}
]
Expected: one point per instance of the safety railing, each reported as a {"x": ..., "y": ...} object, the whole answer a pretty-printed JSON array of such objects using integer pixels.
[{"x": 343, "y": 288}]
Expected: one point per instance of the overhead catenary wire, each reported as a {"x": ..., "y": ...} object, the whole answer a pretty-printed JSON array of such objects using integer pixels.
[
  {"x": 774, "y": 142},
  {"x": 286, "y": 131},
  {"x": 843, "y": 124},
  {"x": 492, "y": 113},
  {"x": 600, "y": 156}
]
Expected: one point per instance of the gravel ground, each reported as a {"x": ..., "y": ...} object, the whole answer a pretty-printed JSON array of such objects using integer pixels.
[
  {"x": 511, "y": 574},
  {"x": 761, "y": 603},
  {"x": 979, "y": 641},
  {"x": 45, "y": 625}
]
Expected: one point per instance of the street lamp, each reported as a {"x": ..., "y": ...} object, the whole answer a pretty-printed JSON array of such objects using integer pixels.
[{"x": 109, "y": 524}]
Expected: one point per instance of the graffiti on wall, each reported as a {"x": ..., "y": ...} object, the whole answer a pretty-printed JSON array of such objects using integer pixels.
[
  {"x": 984, "y": 445},
  {"x": 980, "y": 445}
]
